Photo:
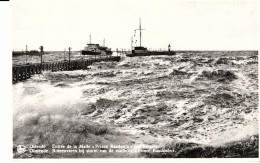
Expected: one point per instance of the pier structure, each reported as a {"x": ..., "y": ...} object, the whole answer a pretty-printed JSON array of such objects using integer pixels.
[{"x": 23, "y": 72}]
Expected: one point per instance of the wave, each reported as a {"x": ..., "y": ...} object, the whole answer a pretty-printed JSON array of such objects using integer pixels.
[
  {"x": 186, "y": 97},
  {"x": 218, "y": 75}
]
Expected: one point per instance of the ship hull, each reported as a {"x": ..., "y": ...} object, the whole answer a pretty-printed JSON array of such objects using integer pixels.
[
  {"x": 84, "y": 52},
  {"x": 108, "y": 52}
]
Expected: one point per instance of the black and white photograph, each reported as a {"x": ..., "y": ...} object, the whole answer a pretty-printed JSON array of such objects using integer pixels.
[{"x": 134, "y": 79}]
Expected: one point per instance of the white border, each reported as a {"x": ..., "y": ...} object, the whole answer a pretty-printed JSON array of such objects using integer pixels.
[{"x": 6, "y": 104}]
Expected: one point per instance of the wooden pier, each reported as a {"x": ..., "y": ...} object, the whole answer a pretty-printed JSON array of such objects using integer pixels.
[{"x": 23, "y": 72}]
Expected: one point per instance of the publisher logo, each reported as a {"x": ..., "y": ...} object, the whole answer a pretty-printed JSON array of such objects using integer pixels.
[{"x": 21, "y": 149}]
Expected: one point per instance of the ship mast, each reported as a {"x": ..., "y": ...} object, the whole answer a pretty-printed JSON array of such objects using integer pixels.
[
  {"x": 26, "y": 52},
  {"x": 132, "y": 43},
  {"x": 140, "y": 32},
  {"x": 140, "y": 29},
  {"x": 90, "y": 38}
]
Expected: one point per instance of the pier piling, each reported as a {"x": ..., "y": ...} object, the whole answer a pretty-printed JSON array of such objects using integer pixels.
[{"x": 23, "y": 72}]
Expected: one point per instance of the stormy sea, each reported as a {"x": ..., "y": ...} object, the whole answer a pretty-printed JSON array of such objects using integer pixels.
[{"x": 194, "y": 104}]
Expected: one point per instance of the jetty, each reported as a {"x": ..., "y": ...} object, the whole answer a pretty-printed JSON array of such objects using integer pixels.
[{"x": 25, "y": 71}]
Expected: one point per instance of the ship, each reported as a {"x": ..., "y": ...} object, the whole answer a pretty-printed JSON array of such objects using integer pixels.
[
  {"x": 143, "y": 51},
  {"x": 105, "y": 50},
  {"x": 96, "y": 49}
]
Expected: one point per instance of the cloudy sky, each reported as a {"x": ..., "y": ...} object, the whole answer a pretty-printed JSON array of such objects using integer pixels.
[{"x": 186, "y": 25}]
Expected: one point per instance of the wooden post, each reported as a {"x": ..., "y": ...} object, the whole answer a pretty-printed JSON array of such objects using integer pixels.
[
  {"x": 23, "y": 73},
  {"x": 29, "y": 72},
  {"x": 95, "y": 54},
  {"x": 32, "y": 70},
  {"x": 36, "y": 69},
  {"x": 17, "y": 75},
  {"x": 41, "y": 48},
  {"x": 64, "y": 54},
  {"x": 69, "y": 56},
  {"x": 26, "y": 57},
  {"x": 26, "y": 72},
  {"x": 14, "y": 75},
  {"x": 52, "y": 69},
  {"x": 55, "y": 67}
]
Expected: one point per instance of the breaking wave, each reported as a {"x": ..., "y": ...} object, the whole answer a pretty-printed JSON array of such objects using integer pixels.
[{"x": 191, "y": 97}]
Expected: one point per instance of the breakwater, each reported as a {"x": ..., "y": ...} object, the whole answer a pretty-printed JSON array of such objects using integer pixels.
[{"x": 23, "y": 72}]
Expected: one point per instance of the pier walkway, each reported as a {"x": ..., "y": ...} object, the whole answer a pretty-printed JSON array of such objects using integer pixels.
[{"x": 23, "y": 72}]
